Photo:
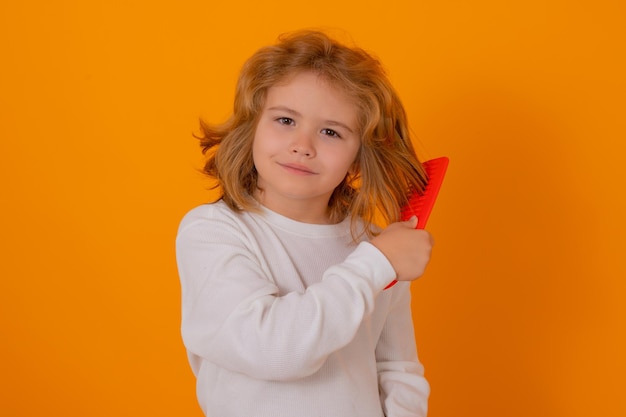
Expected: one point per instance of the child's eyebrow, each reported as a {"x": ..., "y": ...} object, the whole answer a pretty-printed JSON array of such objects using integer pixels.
[
  {"x": 286, "y": 110},
  {"x": 298, "y": 114}
]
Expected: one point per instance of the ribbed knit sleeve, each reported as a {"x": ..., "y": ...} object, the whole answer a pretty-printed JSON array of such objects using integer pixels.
[
  {"x": 234, "y": 314},
  {"x": 403, "y": 388}
]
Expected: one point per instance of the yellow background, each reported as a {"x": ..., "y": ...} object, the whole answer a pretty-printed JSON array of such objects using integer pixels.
[{"x": 521, "y": 312}]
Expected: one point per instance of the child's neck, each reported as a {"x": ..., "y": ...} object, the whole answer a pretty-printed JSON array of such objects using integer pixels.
[{"x": 304, "y": 211}]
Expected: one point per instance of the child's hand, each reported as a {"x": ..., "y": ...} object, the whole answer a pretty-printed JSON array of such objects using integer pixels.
[{"x": 407, "y": 249}]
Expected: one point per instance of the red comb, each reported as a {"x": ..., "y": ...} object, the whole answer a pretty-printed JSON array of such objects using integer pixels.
[{"x": 421, "y": 205}]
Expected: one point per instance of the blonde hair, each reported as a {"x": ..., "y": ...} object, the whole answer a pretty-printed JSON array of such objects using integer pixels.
[{"x": 386, "y": 167}]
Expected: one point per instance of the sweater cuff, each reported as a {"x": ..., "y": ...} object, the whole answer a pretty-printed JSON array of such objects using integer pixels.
[{"x": 375, "y": 264}]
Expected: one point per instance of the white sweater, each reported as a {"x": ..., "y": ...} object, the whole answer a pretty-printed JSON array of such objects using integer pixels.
[{"x": 282, "y": 318}]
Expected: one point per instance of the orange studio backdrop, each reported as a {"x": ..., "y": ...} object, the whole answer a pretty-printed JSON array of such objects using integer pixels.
[{"x": 521, "y": 312}]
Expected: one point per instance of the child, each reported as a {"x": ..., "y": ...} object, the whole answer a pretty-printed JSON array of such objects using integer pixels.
[{"x": 284, "y": 306}]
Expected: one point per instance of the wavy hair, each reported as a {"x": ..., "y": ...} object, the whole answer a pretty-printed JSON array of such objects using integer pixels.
[{"x": 387, "y": 168}]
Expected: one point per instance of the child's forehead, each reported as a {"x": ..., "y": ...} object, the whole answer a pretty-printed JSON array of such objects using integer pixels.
[
  {"x": 322, "y": 77},
  {"x": 311, "y": 93},
  {"x": 320, "y": 80}
]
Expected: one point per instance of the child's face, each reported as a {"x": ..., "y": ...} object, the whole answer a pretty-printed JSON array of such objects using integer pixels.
[{"x": 306, "y": 141}]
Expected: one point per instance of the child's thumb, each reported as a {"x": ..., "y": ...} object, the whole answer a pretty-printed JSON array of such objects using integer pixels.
[{"x": 412, "y": 222}]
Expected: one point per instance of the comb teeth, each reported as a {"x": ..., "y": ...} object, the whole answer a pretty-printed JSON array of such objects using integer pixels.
[{"x": 421, "y": 205}]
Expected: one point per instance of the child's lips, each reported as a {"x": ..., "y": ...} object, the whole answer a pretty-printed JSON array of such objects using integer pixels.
[{"x": 298, "y": 169}]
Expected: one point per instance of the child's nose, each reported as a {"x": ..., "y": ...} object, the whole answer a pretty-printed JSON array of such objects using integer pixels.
[{"x": 303, "y": 145}]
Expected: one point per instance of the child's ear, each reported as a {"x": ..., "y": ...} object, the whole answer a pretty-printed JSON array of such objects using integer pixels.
[
  {"x": 354, "y": 174},
  {"x": 354, "y": 169}
]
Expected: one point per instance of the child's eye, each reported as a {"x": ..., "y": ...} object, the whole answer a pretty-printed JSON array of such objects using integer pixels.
[
  {"x": 285, "y": 121},
  {"x": 331, "y": 133}
]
